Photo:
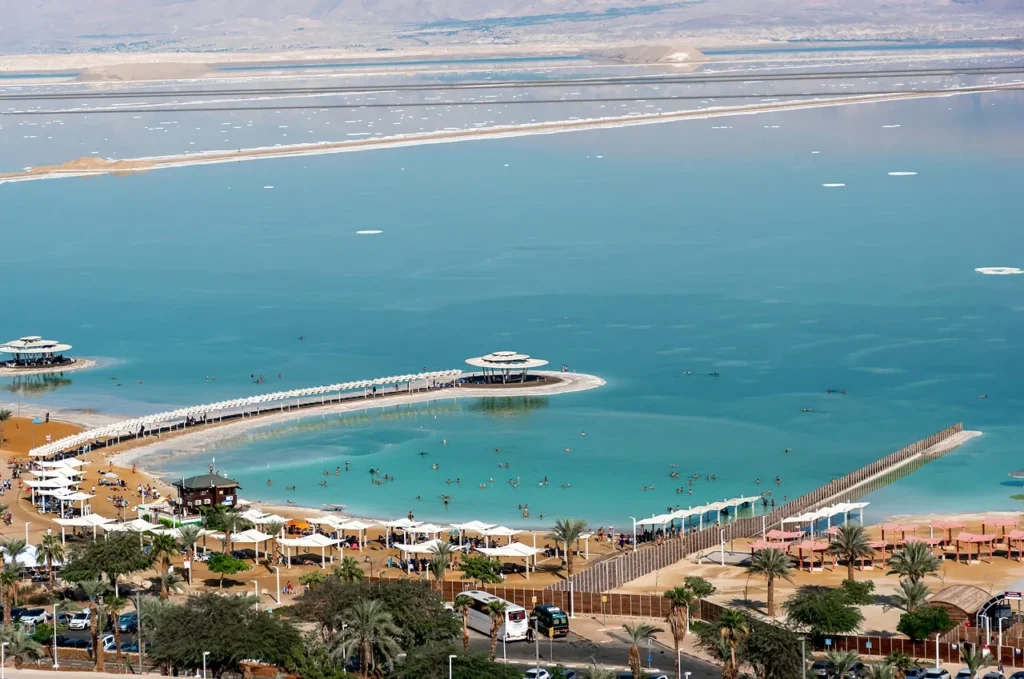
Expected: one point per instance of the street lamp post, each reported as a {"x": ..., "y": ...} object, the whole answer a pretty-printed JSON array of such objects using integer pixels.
[
  {"x": 277, "y": 570},
  {"x": 450, "y": 658},
  {"x": 27, "y": 524},
  {"x": 55, "y": 664},
  {"x": 256, "y": 592},
  {"x": 633, "y": 519},
  {"x": 205, "y": 653},
  {"x": 803, "y": 653},
  {"x": 3, "y": 658}
]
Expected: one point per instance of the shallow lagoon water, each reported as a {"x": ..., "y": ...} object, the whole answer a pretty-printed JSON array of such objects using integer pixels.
[{"x": 636, "y": 254}]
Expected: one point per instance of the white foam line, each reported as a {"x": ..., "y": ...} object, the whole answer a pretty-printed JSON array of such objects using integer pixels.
[
  {"x": 902, "y": 174},
  {"x": 497, "y": 132}
]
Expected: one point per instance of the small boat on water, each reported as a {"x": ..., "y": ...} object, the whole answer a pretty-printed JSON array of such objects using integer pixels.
[{"x": 333, "y": 508}]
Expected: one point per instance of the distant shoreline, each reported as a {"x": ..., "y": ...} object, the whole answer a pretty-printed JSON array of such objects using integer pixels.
[{"x": 91, "y": 166}]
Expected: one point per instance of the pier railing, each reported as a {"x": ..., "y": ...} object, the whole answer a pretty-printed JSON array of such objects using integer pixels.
[{"x": 607, "y": 575}]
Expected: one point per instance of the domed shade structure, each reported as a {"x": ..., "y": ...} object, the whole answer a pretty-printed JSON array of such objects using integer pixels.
[{"x": 506, "y": 366}]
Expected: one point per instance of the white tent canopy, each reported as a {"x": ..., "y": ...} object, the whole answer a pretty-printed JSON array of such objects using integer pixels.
[
  {"x": 426, "y": 529},
  {"x": 475, "y": 526},
  {"x": 400, "y": 523},
  {"x": 501, "y": 531},
  {"x": 135, "y": 526},
  {"x": 308, "y": 542},
  {"x": 86, "y": 521},
  {"x": 69, "y": 462},
  {"x": 514, "y": 550},
  {"x": 428, "y": 547}
]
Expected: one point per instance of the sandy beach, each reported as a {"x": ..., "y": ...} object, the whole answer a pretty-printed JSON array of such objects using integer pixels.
[
  {"x": 93, "y": 166},
  {"x": 79, "y": 364}
]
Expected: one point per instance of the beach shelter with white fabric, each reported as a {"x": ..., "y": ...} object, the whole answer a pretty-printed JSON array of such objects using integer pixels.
[
  {"x": 359, "y": 527},
  {"x": 472, "y": 526},
  {"x": 87, "y": 521},
  {"x": 310, "y": 542},
  {"x": 501, "y": 532},
  {"x": 514, "y": 550},
  {"x": 428, "y": 547},
  {"x": 252, "y": 536},
  {"x": 400, "y": 524}
]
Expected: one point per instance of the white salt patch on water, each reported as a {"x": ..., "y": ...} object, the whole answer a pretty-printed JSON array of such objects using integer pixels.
[
  {"x": 889, "y": 127},
  {"x": 268, "y": 187},
  {"x": 902, "y": 174},
  {"x": 815, "y": 152},
  {"x": 369, "y": 232},
  {"x": 999, "y": 270},
  {"x": 833, "y": 186}
]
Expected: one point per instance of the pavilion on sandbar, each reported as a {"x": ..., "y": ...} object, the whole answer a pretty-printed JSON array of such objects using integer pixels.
[
  {"x": 504, "y": 367},
  {"x": 33, "y": 352}
]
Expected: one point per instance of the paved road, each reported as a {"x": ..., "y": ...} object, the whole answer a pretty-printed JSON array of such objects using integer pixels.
[{"x": 576, "y": 652}]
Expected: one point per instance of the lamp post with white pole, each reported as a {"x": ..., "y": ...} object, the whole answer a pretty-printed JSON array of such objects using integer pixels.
[
  {"x": 450, "y": 658},
  {"x": 3, "y": 658},
  {"x": 803, "y": 653},
  {"x": 277, "y": 571},
  {"x": 256, "y": 592},
  {"x": 27, "y": 524},
  {"x": 55, "y": 664},
  {"x": 633, "y": 519},
  {"x": 205, "y": 653}
]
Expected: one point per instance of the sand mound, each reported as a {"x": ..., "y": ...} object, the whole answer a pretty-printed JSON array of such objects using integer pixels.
[
  {"x": 654, "y": 54},
  {"x": 127, "y": 72}
]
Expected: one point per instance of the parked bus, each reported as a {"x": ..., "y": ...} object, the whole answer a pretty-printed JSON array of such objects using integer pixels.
[{"x": 516, "y": 621}]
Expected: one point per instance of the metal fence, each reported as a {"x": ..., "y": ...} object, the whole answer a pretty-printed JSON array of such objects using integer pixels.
[{"x": 607, "y": 575}]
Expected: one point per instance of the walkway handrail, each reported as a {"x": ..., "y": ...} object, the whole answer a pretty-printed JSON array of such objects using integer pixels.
[{"x": 132, "y": 426}]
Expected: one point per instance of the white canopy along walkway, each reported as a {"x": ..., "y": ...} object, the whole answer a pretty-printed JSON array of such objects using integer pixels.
[{"x": 235, "y": 407}]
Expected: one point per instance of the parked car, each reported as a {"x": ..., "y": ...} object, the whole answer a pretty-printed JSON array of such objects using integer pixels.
[
  {"x": 1017, "y": 675},
  {"x": 629, "y": 675},
  {"x": 820, "y": 668},
  {"x": 133, "y": 647},
  {"x": 35, "y": 616},
  {"x": 965, "y": 673},
  {"x": 914, "y": 673},
  {"x": 856, "y": 671},
  {"x": 108, "y": 643},
  {"x": 937, "y": 673},
  {"x": 17, "y": 612},
  {"x": 84, "y": 644},
  {"x": 64, "y": 618},
  {"x": 128, "y": 622},
  {"x": 993, "y": 675},
  {"x": 81, "y": 620},
  {"x": 534, "y": 673}
]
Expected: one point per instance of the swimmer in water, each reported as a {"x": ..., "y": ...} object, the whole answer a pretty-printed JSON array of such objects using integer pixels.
[
  {"x": 807, "y": 410},
  {"x": 788, "y": 449},
  {"x": 422, "y": 453},
  {"x": 777, "y": 480}
]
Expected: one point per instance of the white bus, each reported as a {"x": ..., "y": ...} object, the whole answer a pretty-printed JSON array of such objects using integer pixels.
[{"x": 516, "y": 620}]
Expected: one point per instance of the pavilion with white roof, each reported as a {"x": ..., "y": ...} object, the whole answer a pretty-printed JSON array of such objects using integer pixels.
[
  {"x": 502, "y": 367},
  {"x": 35, "y": 352}
]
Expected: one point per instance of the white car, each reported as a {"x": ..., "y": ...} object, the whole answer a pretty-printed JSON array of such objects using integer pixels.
[
  {"x": 81, "y": 620},
  {"x": 964, "y": 674},
  {"x": 937, "y": 673},
  {"x": 34, "y": 616},
  {"x": 537, "y": 674},
  {"x": 108, "y": 642}
]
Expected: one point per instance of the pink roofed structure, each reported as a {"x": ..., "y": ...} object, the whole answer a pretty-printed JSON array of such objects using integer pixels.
[{"x": 969, "y": 539}]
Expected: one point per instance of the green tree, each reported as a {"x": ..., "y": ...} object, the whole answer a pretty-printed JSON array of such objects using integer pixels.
[
  {"x": 226, "y": 627},
  {"x": 161, "y": 550},
  {"x": 461, "y": 605},
  {"x": 901, "y": 662},
  {"x": 431, "y": 662},
  {"x": 638, "y": 634},
  {"x": 12, "y": 548},
  {"x": 773, "y": 650},
  {"x": 94, "y": 591},
  {"x": 171, "y": 582},
  {"x": 480, "y": 569},
  {"x": 369, "y": 633},
  {"x": 879, "y": 670},
  {"x": 734, "y": 630},
  {"x": 700, "y": 587},
  {"x": 496, "y": 611},
  {"x": 115, "y": 606},
  {"x": 924, "y": 622},
  {"x": 770, "y": 564},
  {"x": 51, "y": 551},
  {"x": 568, "y": 532},
  {"x": 312, "y": 660},
  {"x": 823, "y": 611},
  {"x": 4, "y": 416},
  {"x": 313, "y": 579},
  {"x": 10, "y": 576},
  {"x": 20, "y": 646},
  {"x": 117, "y": 555},
  {"x": 190, "y": 536},
  {"x": 841, "y": 662},
  {"x": 225, "y": 564},
  {"x": 850, "y": 544},
  {"x": 349, "y": 571},
  {"x": 439, "y": 563},
  {"x": 858, "y": 593},
  {"x": 973, "y": 657},
  {"x": 595, "y": 672},
  {"x": 274, "y": 528},
  {"x": 678, "y": 618},
  {"x": 911, "y": 595},
  {"x": 913, "y": 561}
]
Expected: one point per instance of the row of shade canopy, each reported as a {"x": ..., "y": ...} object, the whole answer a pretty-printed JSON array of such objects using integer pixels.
[
  {"x": 126, "y": 427},
  {"x": 682, "y": 514}
]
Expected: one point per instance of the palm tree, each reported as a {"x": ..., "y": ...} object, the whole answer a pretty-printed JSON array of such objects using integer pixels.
[
  {"x": 20, "y": 646},
  {"x": 595, "y": 672},
  {"x": 496, "y": 610},
  {"x": 9, "y": 578},
  {"x": 911, "y": 595},
  {"x": 850, "y": 544},
  {"x": 733, "y": 628},
  {"x": 679, "y": 618},
  {"x": 370, "y": 631},
  {"x": 440, "y": 562},
  {"x": 4, "y": 416},
  {"x": 880, "y": 671},
  {"x": 115, "y": 606},
  {"x": 973, "y": 657},
  {"x": 51, "y": 549},
  {"x": 231, "y": 522},
  {"x": 461, "y": 605},
  {"x": 568, "y": 531},
  {"x": 190, "y": 536},
  {"x": 914, "y": 561},
  {"x": 94, "y": 591},
  {"x": 161, "y": 549},
  {"x": 901, "y": 662},
  {"x": 841, "y": 662},
  {"x": 770, "y": 564},
  {"x": 637, "y": 634},
  {"x": 349, "y": 570},
  {"x": 12, "y": 548},
  {"x": 274, "y": 528},
  {"x": 170, "y": 582}
]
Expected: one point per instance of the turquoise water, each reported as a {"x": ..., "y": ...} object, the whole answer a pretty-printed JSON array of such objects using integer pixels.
[{"x": 681, "y": 248}]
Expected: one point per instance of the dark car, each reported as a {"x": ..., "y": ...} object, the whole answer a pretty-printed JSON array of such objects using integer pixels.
[
  {"x": 17, "y": 612},
  {"x": 128, "y": 622},
  {"x": 1017, "y": 675},
  {"x": 856, "y": 671},
  {"x": 820, "y": 668},
  {"x": 134, "y": 647},
  {"x": 914, "y": 673},
  {"x": 84, "y": 644},
  {"x": 549, "y": 620}
]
